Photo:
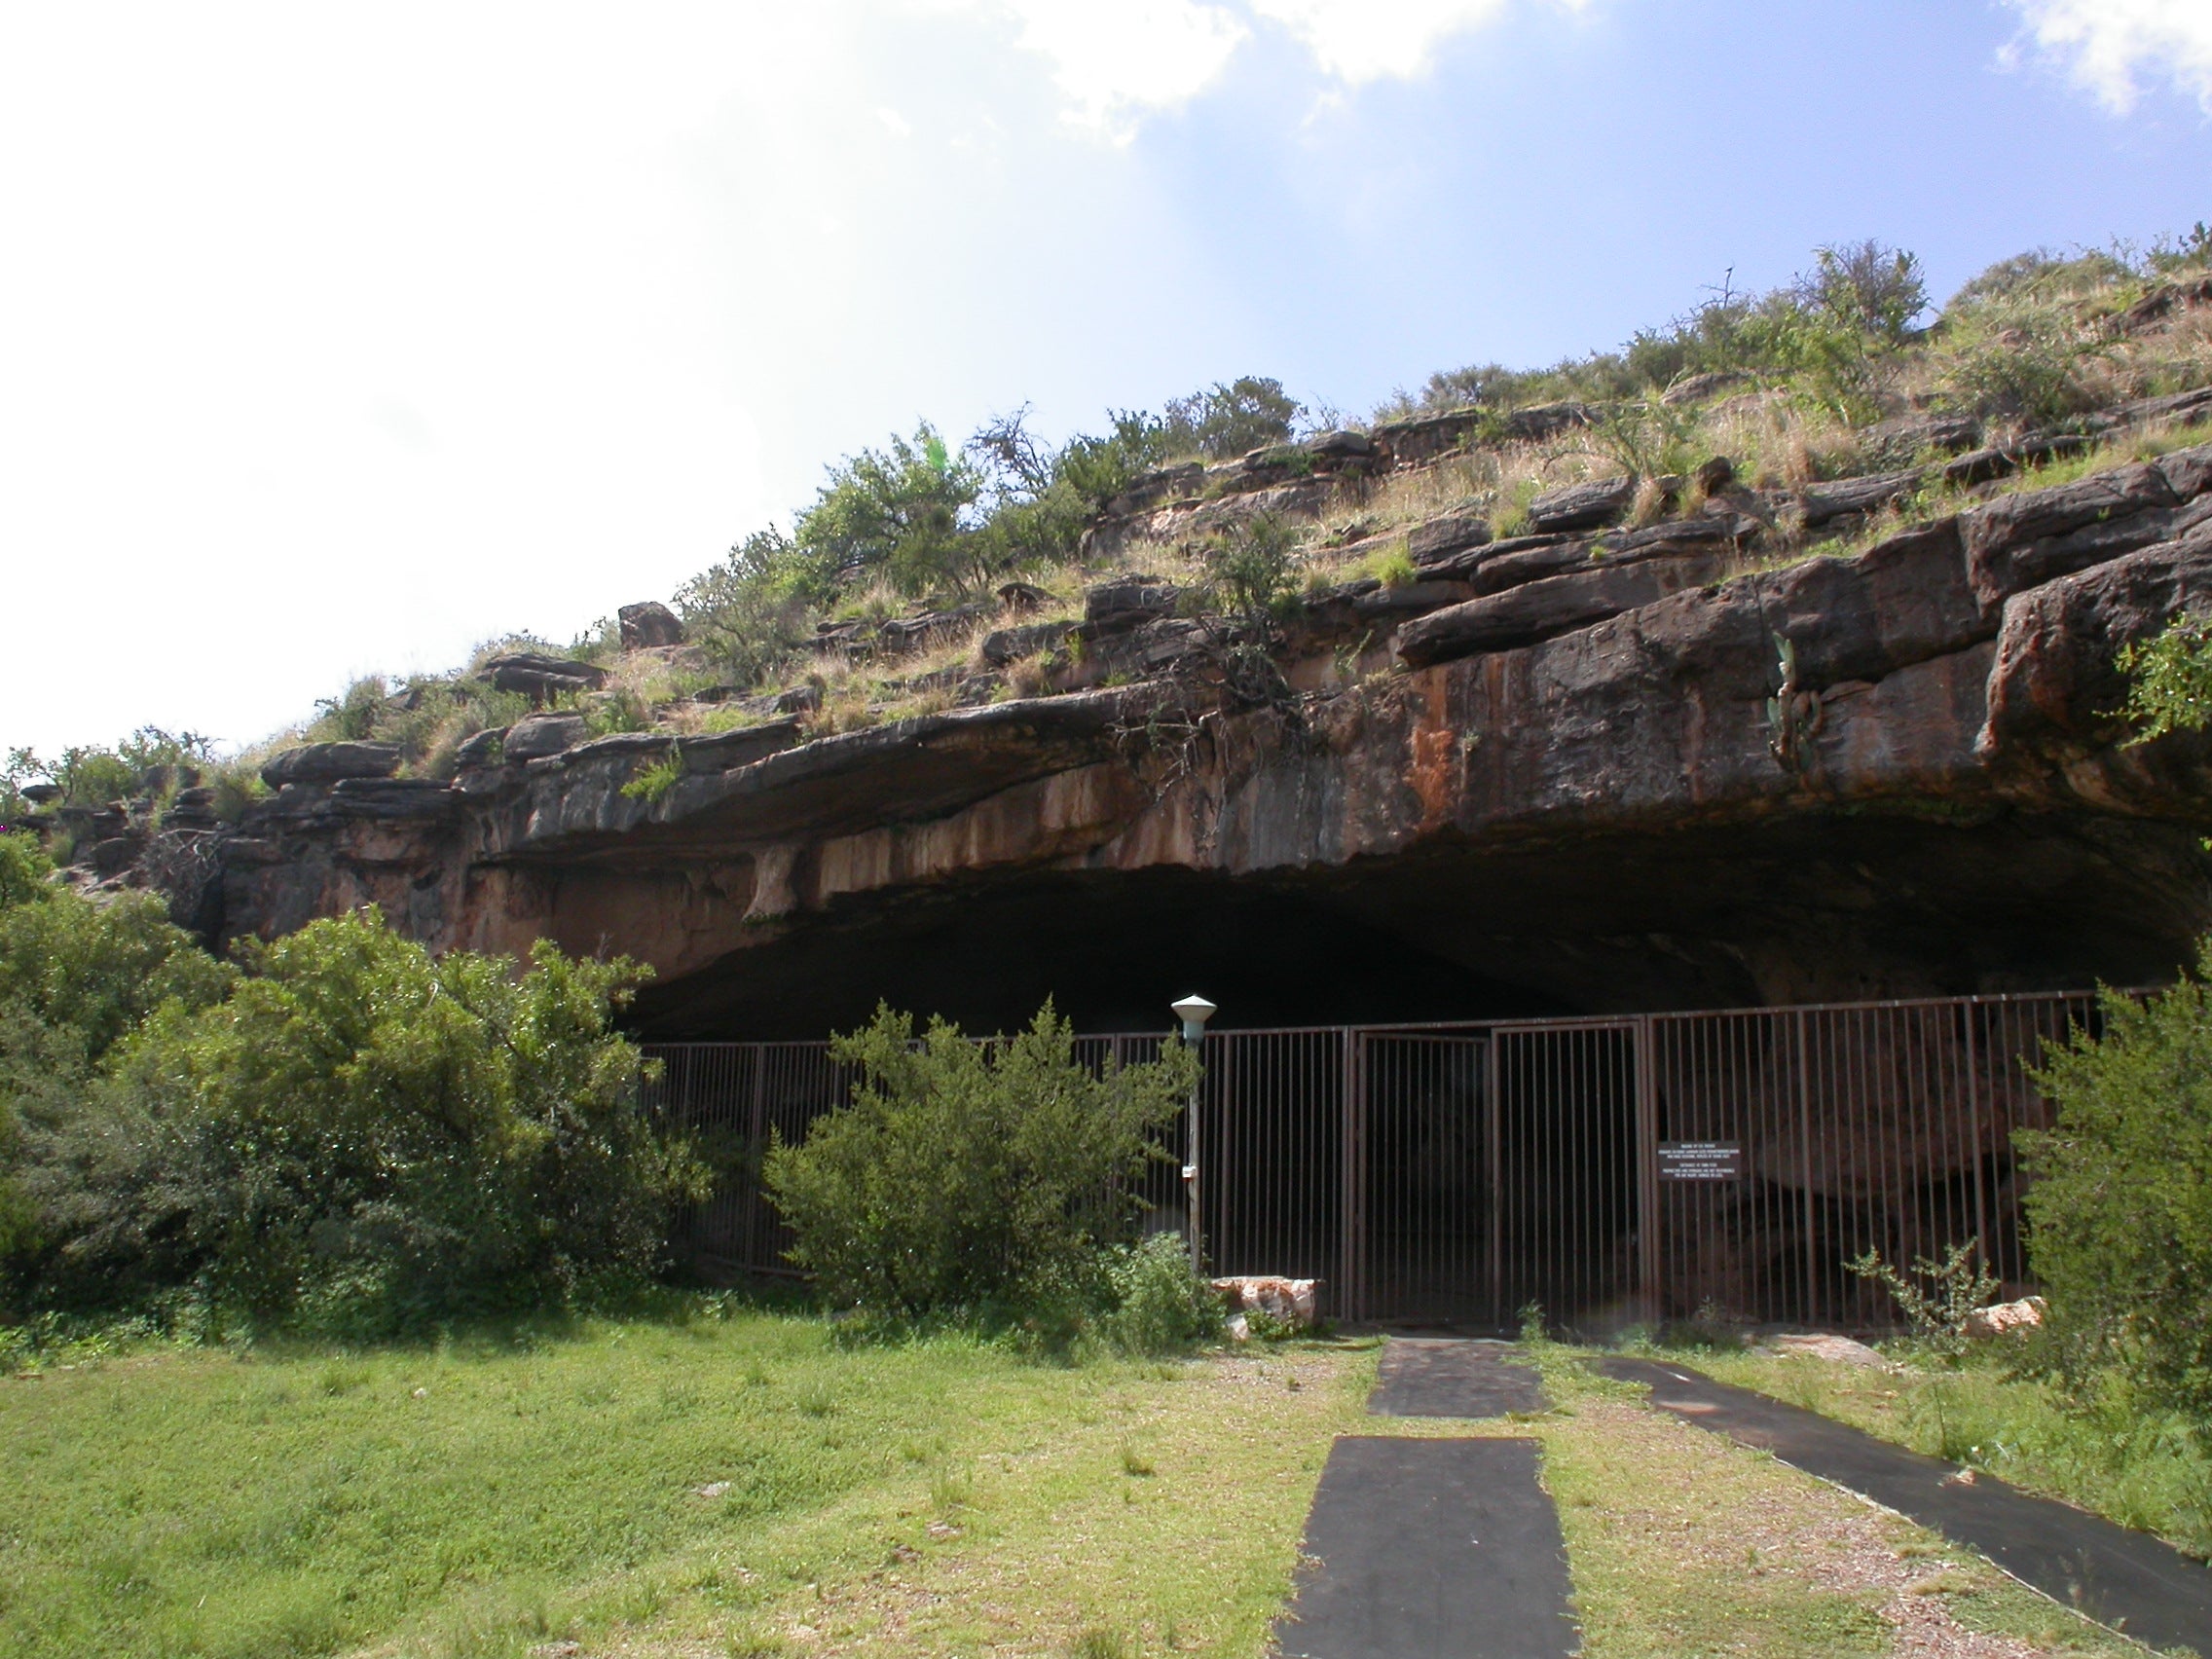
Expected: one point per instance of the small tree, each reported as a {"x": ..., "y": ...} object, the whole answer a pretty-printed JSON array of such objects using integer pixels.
[
  {"x": 971, "y": 1176},
  {"x": 362, "y": 1137},
  {"x": 2170, "y": 678},
  {"x": 1229, "y": 419},
  {"x": 904, "y": 510},
  {"x": 1938, "y": 1299},
  {"x": 2121, "y": 1202}
]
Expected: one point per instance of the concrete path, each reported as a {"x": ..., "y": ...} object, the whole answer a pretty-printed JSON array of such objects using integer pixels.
[
  {"x": 1430, "y": 1549},
  {"x": 1435, "y": 1377},
  {"x": 2125, "y": 1579}
]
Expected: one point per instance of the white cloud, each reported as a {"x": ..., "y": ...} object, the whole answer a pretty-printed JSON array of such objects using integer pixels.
[
  {"x": 1115, "y": 60},
  {"x": 1358, "y": 41},
  {"x": 2108, "y": 44}
]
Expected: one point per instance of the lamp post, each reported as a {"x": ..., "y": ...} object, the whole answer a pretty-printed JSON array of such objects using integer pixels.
[{"x": 1194, "y": 1012}]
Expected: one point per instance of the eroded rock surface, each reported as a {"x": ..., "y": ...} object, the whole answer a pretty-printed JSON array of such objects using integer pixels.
[{"x": 1589, "y": 768}]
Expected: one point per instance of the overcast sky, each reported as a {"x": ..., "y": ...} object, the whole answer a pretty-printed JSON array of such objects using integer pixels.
[{"x": 335, "y": 339}]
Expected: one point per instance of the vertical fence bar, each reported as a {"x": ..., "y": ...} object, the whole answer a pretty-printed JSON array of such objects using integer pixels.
[
  {"x": 1805, "y": 1167},
  {"x": 1646, "y": 1170},
  {"x": 1351, "y": 1248}
]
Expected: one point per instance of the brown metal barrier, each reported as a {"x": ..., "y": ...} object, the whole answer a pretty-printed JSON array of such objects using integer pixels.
[{"x": 1604, "y": 1170}]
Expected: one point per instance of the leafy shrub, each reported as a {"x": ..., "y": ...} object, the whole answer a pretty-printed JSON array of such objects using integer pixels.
[
  {"x": 1160, "y": 1303},
  {"x": 656, "y": 779},
  {"x": 966, "y": 1176},
  {"x": 751, "y": 611},
  {"x": 2032, "y": 365},
  {"x": 1937, "y": 1298},
  {"x": 1251, "y": 568},
  {"x": 2170, "y": 678},
  {"x": 1394, "y": 567},
  {"x": 2121, "y": 1202},
  {"x": 359, "y": 1137},
  {"x": 902, "y": 511},
  {"x": 1229, "y": 419}
]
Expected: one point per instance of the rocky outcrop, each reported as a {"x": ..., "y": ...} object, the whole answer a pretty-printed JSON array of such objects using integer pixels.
[
  {"x": 648, "y": 625},
  {"x": 542, "y": 678},
  {"x": 1591, "y": 767},
  {"x": 329, "y": 762}
]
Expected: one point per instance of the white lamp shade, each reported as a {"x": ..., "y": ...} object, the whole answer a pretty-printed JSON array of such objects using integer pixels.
[{"x": 1193, "y": 1010}]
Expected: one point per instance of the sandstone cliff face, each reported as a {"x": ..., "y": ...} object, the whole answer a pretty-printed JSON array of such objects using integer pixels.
[{"x": 1580, "y": 769}]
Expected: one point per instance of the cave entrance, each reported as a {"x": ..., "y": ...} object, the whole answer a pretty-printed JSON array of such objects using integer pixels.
[
  {"x": 1496, "y": 1171},
  {"x": 1605, "y": 1169}
]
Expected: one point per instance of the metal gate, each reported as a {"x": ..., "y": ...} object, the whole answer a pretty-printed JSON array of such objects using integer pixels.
[{"x": 1601, "y": 1170}]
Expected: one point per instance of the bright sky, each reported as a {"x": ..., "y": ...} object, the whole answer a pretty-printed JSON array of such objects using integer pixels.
[{"x": 337, "y": 338}]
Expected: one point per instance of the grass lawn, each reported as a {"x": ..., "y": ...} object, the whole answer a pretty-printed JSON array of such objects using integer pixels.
[
  {"x": 2109, "y": 1454},
  {"x": 747, "y": 1486}
]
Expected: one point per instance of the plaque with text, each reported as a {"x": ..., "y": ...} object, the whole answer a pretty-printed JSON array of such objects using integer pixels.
[{"x": 1700, "y": 1161}]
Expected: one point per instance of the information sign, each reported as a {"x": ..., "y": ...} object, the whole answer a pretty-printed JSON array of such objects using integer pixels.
[{"x": 1700, "y": 1161}]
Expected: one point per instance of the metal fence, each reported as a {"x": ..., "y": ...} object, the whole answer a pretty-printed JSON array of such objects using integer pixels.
[{"x": 1605, "y": 1169}]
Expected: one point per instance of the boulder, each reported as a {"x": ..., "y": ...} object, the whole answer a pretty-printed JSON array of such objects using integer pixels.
[
  {"x": 1544, "y": 420},
  {"x": 394, "y": 799},
  {"x": 115, "y": 854},
  {"x": 2188, "y": 472},
  {"x": 1902, "y": 441},
  {"x": 2006, "y": 1318},
  {"x": 1582, "y": 507},
  {"x": 1440, "y": 538},
  {"x": 1004, "y": 646},
  {"x": 483, "y": 749},
  {"x": 1149, "y": 490},
  {"x": 1821, "y": 503},
  {"x": 1128, "y": 601},
  {"x": 41, "y": 795},
  {"x": 1379, "y": 602},
  {"x": 2183, "y": 408},
  {"x": 329, "y": 762},
  {"x": 1293, "y": 1301},
  {"x": 535, "y": 736},
  {"x": 1522, "y": 560},
  {"x": 905, "y": 635},
  {"x": 1023, "y": 598},
  {"x": 727, "y": 751},
  {"x": 538, "y": 677},
  {"x": 1695, "y": 388},
  {"x": 1342, "y": 446},
  {"x": 2165, "y": 299},
  {"x": 1820, "y": 1345},
  {"x": 2056, "y": 688},
  {"x": 649, "y": 624},
  {"x": 1985, "y": 465},
  {"x": 1424, "y": 437},
  {"x": 2023, "y": 540},
  {"x": 1557, "y": 605}
]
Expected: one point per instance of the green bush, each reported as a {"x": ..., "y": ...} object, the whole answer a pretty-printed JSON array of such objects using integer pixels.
[
  {"x": 1231, "y": 418},
  {"x": 2121, "y": 1204},
  {"x": 75, "y": 979},
  {"x": 905, "y": 511},
  {"x": 967, "y": 1177},
  {"x": 359, "y": 1137},
  {"x": 1160, "y": 1303}
]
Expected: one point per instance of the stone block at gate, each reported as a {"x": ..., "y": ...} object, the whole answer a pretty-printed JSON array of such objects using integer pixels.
[{"x": 1290, "y": 1300}]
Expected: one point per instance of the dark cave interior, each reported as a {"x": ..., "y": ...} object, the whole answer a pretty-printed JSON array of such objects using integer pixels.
[{"x": 1827, "y": 906}]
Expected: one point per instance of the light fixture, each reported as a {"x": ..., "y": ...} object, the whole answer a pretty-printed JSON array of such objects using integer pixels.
[{"x": 1194, "y": 1012}]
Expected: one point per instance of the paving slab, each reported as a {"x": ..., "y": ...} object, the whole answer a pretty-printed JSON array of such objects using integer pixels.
[
  {"x": 1430, "y": 1549},
  {"x": 1452, "y": 1378},
  {"x": 2127, "y": 1579}
]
